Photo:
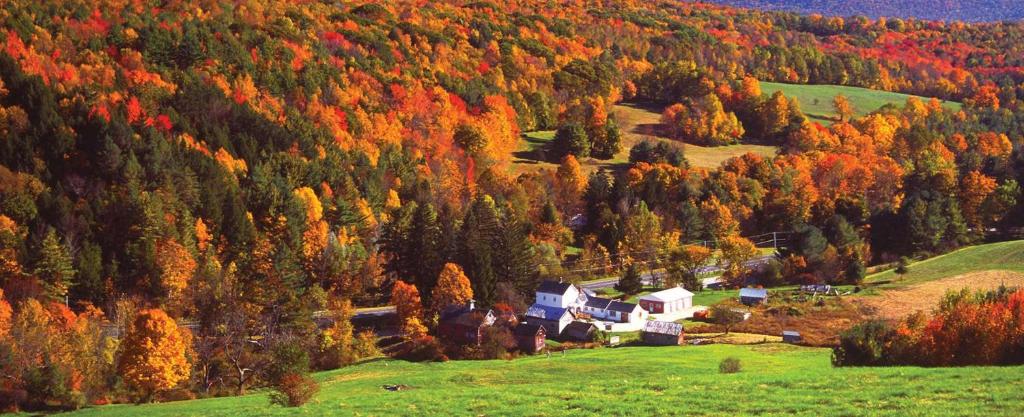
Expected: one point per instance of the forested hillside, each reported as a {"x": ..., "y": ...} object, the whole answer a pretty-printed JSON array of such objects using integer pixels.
[
  {"x": 241, "y": 165},
  {"x": 947, "y": 10}
]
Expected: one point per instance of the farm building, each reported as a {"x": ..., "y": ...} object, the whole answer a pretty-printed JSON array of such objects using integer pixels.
[
  {"x": 530, "y": 337},
  {"x": 560, "y": 303},
  {"x": 790, "y": 336},
  {"x": 559, "y": 294},
  {"x": 672, "y": 300},
  {"x": 662, "y": 333},
  {"x": 753, "y": 296},
  {"x": 580, "y": 331},
  {"x": 464, "y": 324},
  {"x": 554, "y": 319},
  {"x": 613, "y": 310}
]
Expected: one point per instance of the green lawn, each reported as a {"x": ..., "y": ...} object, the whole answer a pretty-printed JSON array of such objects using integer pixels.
[
  {"x": 1007, "y": 256},
  {"x": 816, "y": 100},
  {"x": 776, "y": 380}
]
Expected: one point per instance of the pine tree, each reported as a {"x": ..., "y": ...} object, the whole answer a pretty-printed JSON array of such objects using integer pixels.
[
  {"x": 425, "y": 249},
  {"x": 571, "y": 139},
  {"x": 480, "y": 231},
  {"x": 517, "y": 264},
  {"x": 55, "y": 267},
  {"x": 630, "y": 282}
]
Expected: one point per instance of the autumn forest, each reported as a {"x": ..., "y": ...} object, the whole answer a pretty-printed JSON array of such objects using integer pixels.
[{"x": 189, "y": 187}]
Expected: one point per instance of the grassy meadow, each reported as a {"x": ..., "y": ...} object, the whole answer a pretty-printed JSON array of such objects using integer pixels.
[
  {"x": 1004, "y": 256},
  {"x": 816, "y": 100},
  {"x": 776, "y": 380}
]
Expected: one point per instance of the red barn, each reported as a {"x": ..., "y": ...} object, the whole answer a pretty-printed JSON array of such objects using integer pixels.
[
  {"x": 530, "y": 337},
  {"x": 465, "y": 325}
]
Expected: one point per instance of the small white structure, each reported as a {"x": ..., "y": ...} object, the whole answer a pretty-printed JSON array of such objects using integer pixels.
[{"x": 670, "y": 301}]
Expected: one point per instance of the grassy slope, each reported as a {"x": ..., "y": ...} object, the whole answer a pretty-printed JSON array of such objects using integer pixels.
[
  {"x": 639, "y": 123},
  {"x": 776, "y": 380},
  {"x": 994, "y": 256},
  {"x": 816, "y": 100}
]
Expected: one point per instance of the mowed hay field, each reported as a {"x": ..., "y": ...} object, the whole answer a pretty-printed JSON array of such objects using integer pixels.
[
  {"x": 898, "y": 303},
  {"x": 776, "y": 380},
  {"x": 1002, "y": 256},
  {"x": 816, "y": 100}
]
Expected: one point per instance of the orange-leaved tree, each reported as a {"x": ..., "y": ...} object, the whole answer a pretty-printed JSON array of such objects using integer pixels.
[
  {"x": 153, "y": 353},
  {"x": 452, "y": 288},
  {"x": 406, "y": 299}
]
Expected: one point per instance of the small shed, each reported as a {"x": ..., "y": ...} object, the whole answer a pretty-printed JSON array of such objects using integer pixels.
[
  {"x": 530, "y": 337},
  {"x": 580, "y": 331},
  {"x": 662, "y": 333},
  {"x": 790, "y": 336},
  {"x": 753, "y": 296}
]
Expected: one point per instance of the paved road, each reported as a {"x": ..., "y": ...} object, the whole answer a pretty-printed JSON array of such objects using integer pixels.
[{"x": 646, "y": 277}]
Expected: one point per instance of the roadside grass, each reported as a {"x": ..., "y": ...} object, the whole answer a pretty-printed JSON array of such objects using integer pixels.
[
  {"x": 1007, "y": 256},
  {"x": 816, "y": 100},
  {"x": 776, "y": 380}
]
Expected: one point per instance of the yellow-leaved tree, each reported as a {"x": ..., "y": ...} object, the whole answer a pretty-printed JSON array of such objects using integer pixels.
[
  {"x": 153, "y": 353},
  {"x": 452, "y": 288}
]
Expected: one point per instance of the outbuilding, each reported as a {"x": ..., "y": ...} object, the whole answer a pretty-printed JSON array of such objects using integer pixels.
[
  {"x": 530, "y": 337},
  {"x": 790, "y": 336},
  {"x": 580, "y": 331},
  {"x": 753, "y": 296},
  {"x": 672, "y": 300},
  {"x": 662, "y": 333}
]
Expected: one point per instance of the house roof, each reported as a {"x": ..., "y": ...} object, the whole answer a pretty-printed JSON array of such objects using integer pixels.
[
  {"x": 546, "y": 312},
  {"x": 671, "y": 294},
  {"x": 467, "y": 317},
  {"x": 754, "y": 292},
  {"x": 622, "y": 307},
  {"x": 612, "y": 305},
  {"x": 663, "y": 327},
  {"x": 580, "y": 327},
  {"x": 525, "y": 329},
  {"x": 554, "y": 287},
  {"x": 790, "y": 333},
  {"x": 598, "y": 302}
]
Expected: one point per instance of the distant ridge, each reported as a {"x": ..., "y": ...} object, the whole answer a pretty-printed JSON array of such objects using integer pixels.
[{"x": 948, "y": 10}]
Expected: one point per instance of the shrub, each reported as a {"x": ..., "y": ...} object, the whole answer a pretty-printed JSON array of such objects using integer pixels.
[
  {"x": 423, "y": 349},
  {"x": 866, "y": 344},
  {"x": 730, "y": 365},
  {"x": 293, "y": 390},
  {"x": 497, "y": 342},
  {"x": 366, "y": 345},
  {"x": 287, "y": 358}
]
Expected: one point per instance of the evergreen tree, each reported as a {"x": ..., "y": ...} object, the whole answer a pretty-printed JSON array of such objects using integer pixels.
[
  {"x": 630, "y": 282},
  {"x": 477, "y": 238},
  {"x": 55, "y": 268},
  {"x": 571, "y": 139},
  {"x": 426, "y": 249},
  {"x": 517, "y": 263}
]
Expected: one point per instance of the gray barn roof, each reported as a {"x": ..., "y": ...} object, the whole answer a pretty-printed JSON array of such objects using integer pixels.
[
  {"x": 554, "y": 287},
  {"x": 663, "y": 327}
]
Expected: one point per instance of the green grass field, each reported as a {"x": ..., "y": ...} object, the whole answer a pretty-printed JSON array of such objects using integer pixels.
[
  {"x": 1008, "y": 256},
  {"x": 816, "y": 100},
  {"x": 776, "y": 380}
]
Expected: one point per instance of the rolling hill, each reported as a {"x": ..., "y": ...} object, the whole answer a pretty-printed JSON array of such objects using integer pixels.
[
  {"x": 949, "y": 10},
  {"x": 776, "y": 380}
]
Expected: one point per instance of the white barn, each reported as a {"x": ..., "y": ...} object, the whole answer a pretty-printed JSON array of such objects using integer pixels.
[{"x": 672, "y": 300}]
